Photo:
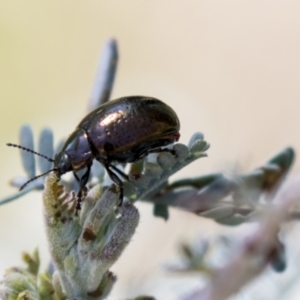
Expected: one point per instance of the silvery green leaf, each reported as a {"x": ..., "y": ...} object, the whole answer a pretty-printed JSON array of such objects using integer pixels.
[
  {"x": 130, "y": 191},
  {"x": 197, "y": 182},
  {"x": 166, "y": 160},
  {"x": 156, "y": 190},
  {"x": 140, "y": 181},
  {"x": 160, "y": 210},
  {"x": 216, "y": 190},
  {"x": 198, "y": 147},
  {"x": 220, "y": 212},
  {"x": 284, "y": 159},
  {"x": 248, "y": 188},
  {"x": 18, "y": 284},
  {"x": 152, "y": 169},
  {"x": 59, "y": 146},
  {"x": 233, "y": 220},
  {"x": 182, "y": 151},
  {"x": 87, "y": 245},
  {"x": 46, "y": 148},
  {"x": 26, "y": 140},
  {"x": 195, "y": 137},
  {"x": 271, "y": 167},
  {"x": 18, "y": 181}
]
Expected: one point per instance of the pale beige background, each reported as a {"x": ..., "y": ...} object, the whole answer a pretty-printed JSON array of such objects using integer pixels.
[{"x": 229, "y": 68}]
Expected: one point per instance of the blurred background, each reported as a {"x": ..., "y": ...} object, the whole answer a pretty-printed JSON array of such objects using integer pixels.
[{"x": 230, "y": 69}]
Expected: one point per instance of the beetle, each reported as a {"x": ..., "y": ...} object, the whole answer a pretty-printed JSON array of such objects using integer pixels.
[{"x": 120, "y": 131}]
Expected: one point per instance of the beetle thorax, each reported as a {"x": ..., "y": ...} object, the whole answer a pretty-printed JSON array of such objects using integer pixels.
[{"x": 76, "y": 153}]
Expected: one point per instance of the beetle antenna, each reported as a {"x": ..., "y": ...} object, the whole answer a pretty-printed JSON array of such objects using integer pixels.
[
  {"x": 31, "y": 151},
  {"x": 34, "y": 178}
]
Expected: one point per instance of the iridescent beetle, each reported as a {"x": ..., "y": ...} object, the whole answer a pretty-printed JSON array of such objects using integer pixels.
[{"x": 123, "y": 131}]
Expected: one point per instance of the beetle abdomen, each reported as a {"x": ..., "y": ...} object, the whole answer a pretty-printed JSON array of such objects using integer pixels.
[{"x": 125, "y": 128}]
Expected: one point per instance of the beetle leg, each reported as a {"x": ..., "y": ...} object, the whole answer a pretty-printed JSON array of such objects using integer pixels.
[
  {"x": 120, "y": 172},
  {"x": 117, "y": 181},
  {"x": 82, "y": 183},
  {"x": 76, "y": 177}
]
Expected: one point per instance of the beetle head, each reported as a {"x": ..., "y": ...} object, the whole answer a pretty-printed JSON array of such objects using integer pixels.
[
  {"x": 75, "y": 154},
  {"x": 62, "y": 163}
]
